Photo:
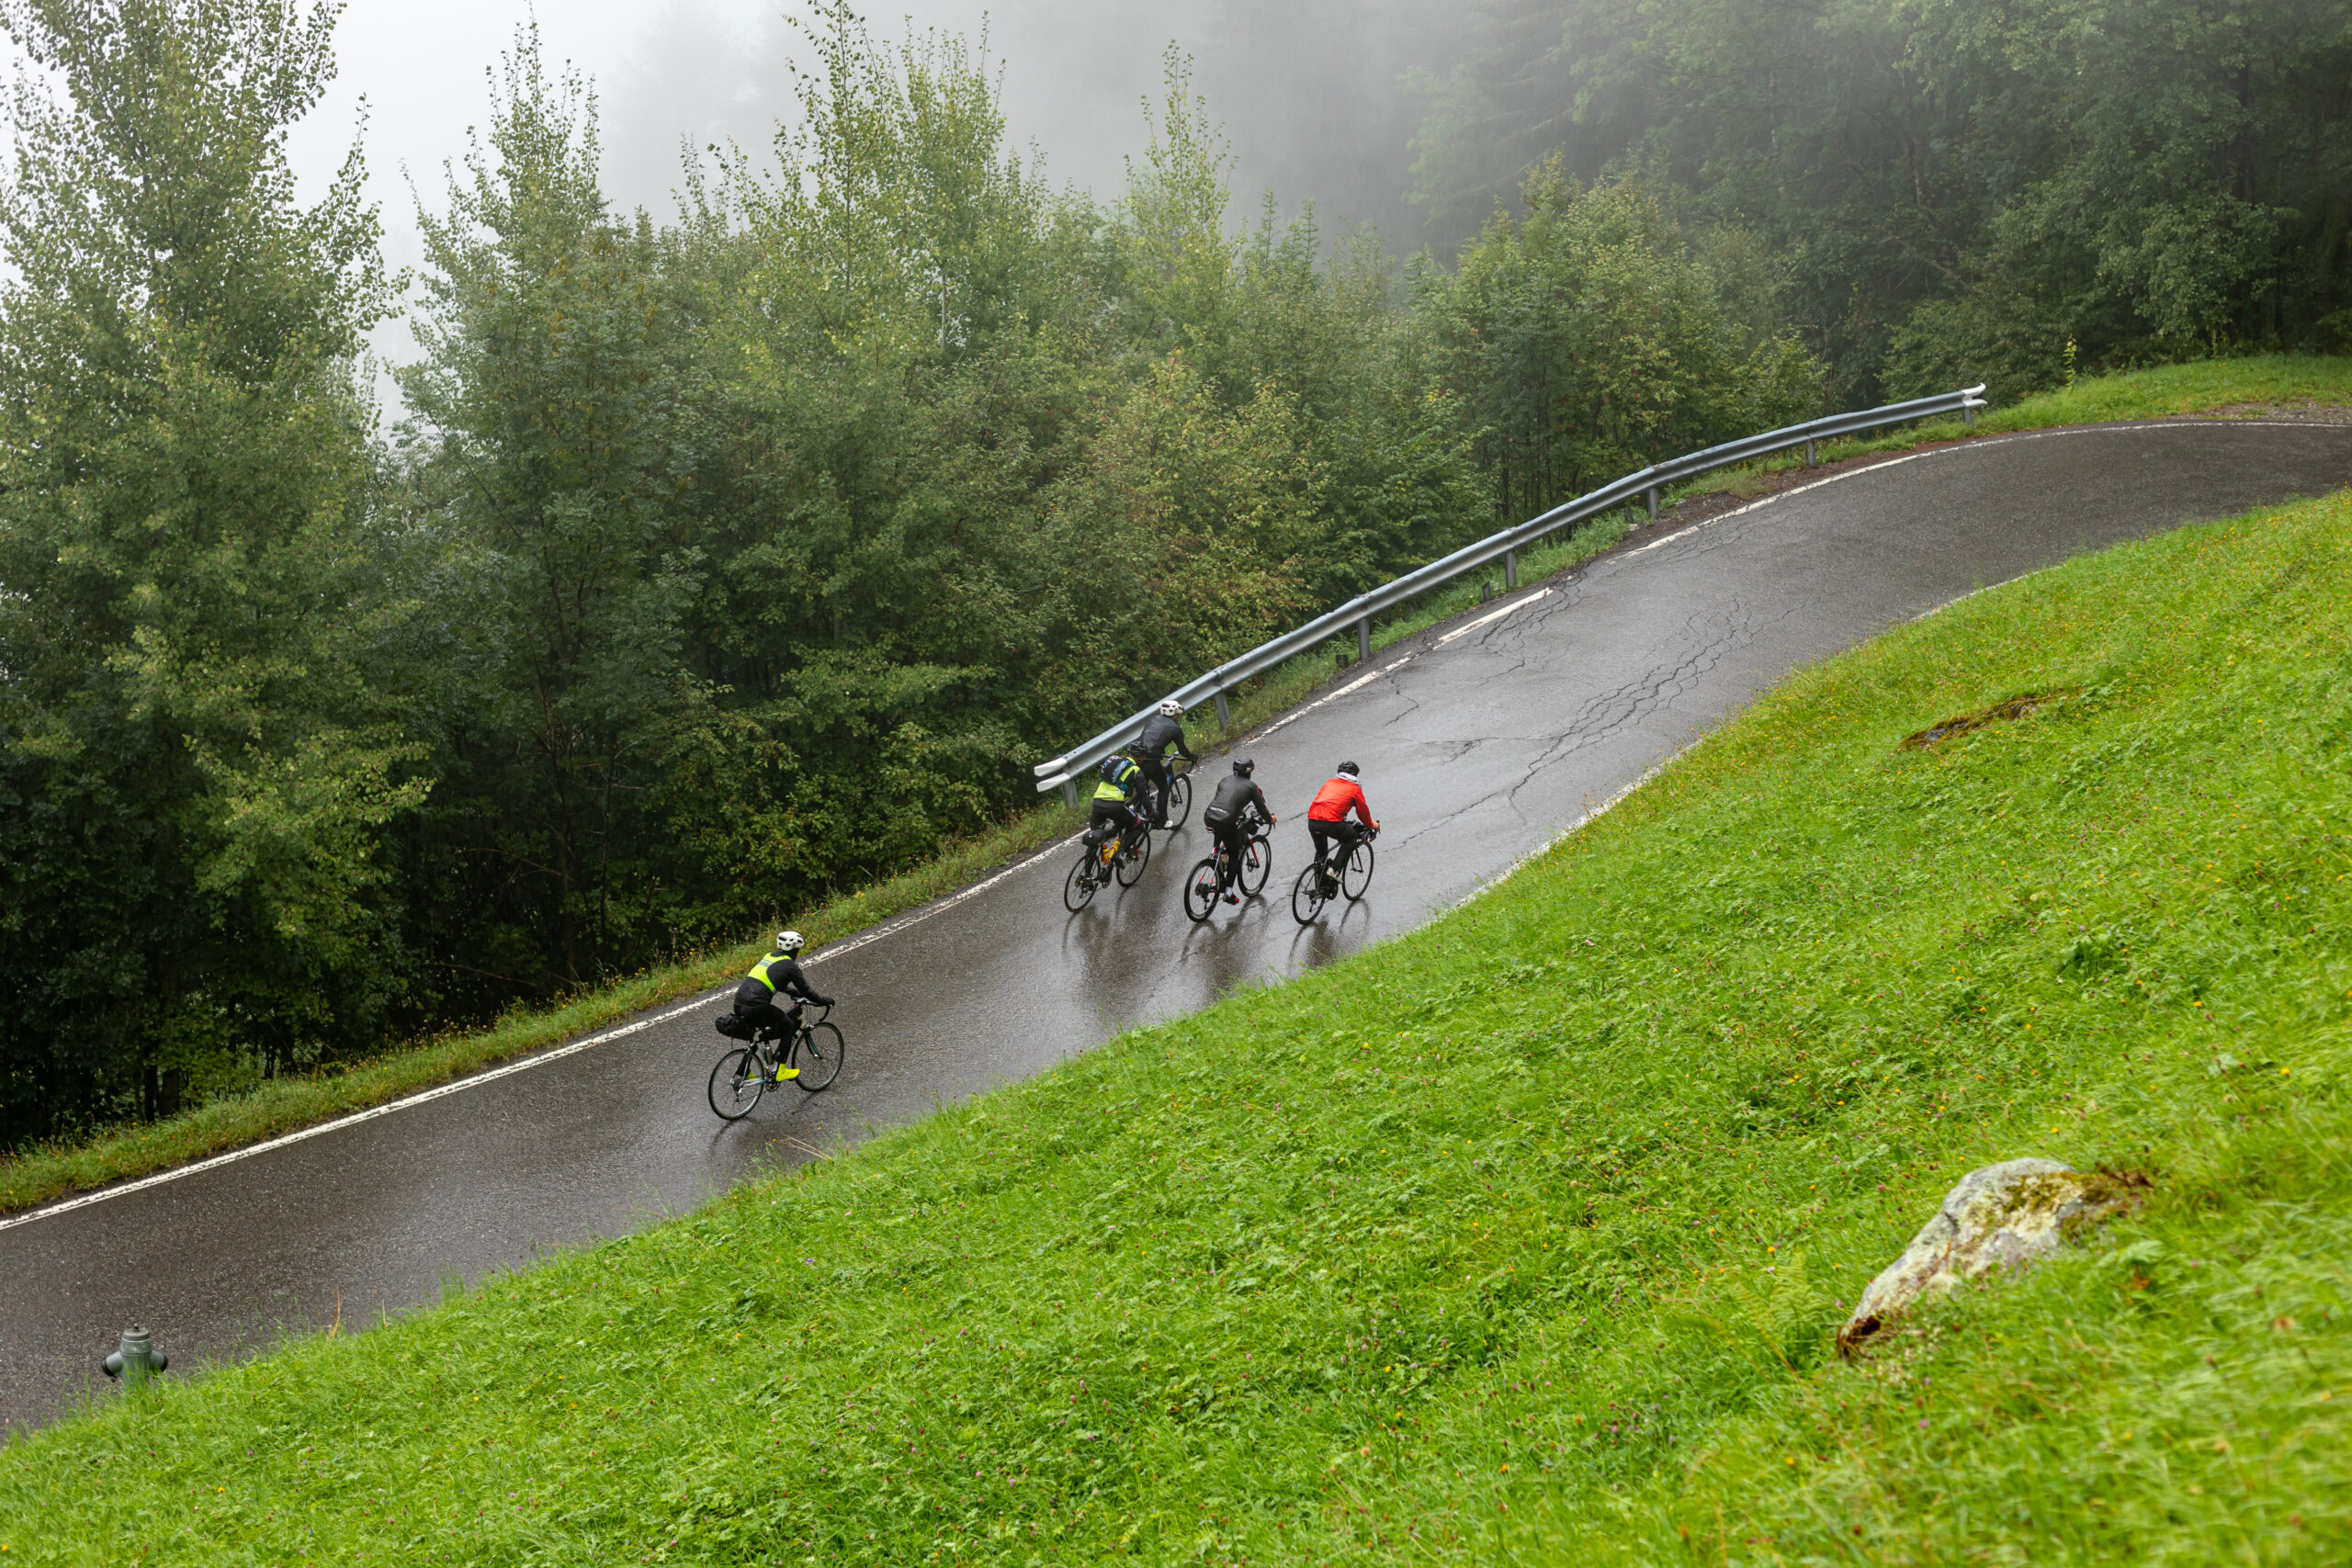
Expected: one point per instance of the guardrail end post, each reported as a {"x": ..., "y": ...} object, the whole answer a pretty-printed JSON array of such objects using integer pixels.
[
  {"x": 1363, "y": 640},
  {"x": 1224, "y": 715},
  {"x": 1967, "y": 413},
  {"x": 1652, "y": 500},
  {"x": 1811, "y": 460},
  {"x": 1070, "y": 793},
  {"x": 1511, "y": 571}
]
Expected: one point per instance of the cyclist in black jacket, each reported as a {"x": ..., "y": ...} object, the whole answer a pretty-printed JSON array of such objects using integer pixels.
[
  {"x": 1159, "y": 732},
  {"x": 1240, "y": 805},
  {"x": 778, "y": 972}
]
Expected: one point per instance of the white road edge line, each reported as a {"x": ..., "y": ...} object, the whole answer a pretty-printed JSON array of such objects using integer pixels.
[
  {"x": 1357, "y": 684},
  {"x": 1786, "y": 496},
  {"x": 853, "y": 943},
  {"x": 1690, "y": 746},
  {"x": 1978, "y": 444},
  {"x": 475, "y": 1080},
  {"x": 1494, "y": 616},
  {"x": 1594, "y": 814},
  {"x": 283, "y": 1139},
  {"x": 1655, "y": 769}
]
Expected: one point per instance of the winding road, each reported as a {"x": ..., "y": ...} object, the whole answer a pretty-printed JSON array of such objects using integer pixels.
[{"x": 1480, "y": 741}]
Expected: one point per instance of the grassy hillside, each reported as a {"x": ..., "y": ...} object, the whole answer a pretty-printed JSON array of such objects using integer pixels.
[{"x": 1523, "y": 1239}]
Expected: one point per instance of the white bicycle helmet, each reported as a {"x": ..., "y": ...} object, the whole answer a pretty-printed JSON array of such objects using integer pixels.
[
  {"x": 1171, "y": 709},
  {"x": 790, "y": 942}
]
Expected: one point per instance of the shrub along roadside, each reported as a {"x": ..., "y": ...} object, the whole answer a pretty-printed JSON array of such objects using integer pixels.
[
  {"x": 1524, "y": 1237},
  {"x": 51, "y": 1170}
]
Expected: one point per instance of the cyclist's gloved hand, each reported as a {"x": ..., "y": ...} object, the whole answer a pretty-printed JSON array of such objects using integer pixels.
[{"x": 824, "y": 1002}]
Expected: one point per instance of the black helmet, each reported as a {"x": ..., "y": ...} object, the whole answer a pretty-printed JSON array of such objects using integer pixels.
[
  {"x": 1350, "y": 769},
  {"x": 1245, "y": 766}
]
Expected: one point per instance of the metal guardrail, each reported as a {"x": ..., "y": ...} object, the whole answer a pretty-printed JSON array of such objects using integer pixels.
[{"x": 1064, "y": 770}]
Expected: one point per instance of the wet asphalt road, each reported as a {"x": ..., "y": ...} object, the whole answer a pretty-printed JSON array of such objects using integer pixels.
[{"x": 1480, "y": 740}]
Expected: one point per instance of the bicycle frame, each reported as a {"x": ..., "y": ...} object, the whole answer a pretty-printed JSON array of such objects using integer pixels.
[{"x": 789, "y": 1043}]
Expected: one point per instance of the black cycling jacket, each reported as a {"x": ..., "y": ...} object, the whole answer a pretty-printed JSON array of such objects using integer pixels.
[
  {"x": 1235, "y": 794},
  {"x": 789, "y": 981},
  {"x": 1161, "y": 732}
]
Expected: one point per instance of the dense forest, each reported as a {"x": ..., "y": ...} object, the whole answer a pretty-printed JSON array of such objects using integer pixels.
[{"x": 717, "y": 563}]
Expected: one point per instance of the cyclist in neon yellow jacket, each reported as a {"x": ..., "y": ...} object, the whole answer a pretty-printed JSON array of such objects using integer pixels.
[
  {"x": 778, "y": 972},
  {"x": 1118, "y": 793}
]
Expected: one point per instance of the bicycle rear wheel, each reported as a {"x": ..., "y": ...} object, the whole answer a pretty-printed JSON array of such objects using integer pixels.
[
  {"x": 736, "y": 1084},
  {"x": 1133, "y": 857},
  {"x": 1257, "y": 862},
  {"x": 1077, "y": 890},
  {"x": 1306, "y": 895},
  {"x": 820, "y": 1056},
  {"x": 1179, "y": 802},
  {"x": 1200, "y": 891},
  {"x": 1356, "y": 876}
]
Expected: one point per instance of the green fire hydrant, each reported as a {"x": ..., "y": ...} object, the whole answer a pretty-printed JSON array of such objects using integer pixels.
[{"x": 137, "y": 1361}]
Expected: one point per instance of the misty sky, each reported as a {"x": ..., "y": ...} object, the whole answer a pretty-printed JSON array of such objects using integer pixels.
[
  {"x": 1307, "y": 90},
  {"x": 703, "y": 70}
]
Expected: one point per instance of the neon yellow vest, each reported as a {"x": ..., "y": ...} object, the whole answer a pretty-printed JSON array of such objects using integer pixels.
[{"x": 1106, "y": 790}]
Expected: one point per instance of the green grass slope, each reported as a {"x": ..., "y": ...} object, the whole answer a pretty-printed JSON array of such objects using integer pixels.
[{"x": 1522, "y": 1239}]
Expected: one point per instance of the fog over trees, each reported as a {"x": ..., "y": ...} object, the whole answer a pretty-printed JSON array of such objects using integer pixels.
[
  {"x": 1317, "y": 97},
  {"x": 753, "y": 517}
]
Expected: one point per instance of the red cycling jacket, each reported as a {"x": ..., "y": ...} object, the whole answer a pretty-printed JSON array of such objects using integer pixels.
[{"x": 1336, "y": 799}]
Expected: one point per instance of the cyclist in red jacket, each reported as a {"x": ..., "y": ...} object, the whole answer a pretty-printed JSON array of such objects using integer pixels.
[{"x": 1326, "y": 820}]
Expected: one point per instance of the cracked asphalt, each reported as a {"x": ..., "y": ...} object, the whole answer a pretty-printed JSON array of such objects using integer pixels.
[{"x": 1480, "y": 741}]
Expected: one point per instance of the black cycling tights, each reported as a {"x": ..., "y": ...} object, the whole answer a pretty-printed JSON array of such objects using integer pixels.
[
  {"x": 1343, "y": 834},
  {"x": 775, "y": 1019},
  {"x": 1235, "y": 837}
]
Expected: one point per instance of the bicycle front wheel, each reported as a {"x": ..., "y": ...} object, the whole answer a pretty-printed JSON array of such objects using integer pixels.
[
  {"x": 736, "y": 1084},
  {"x": 820, "y": 1056},
  {"x": 1357, "y": 876},
  {"x": 1200, "y": 891},
  {"x": 1306, "y": 895},
  {"x": 1077, "y": 891},
  {"x": 1133, "y": 858},
  {"x": 1179, "y": 802},
  {"x": 1257, "y": 862}
]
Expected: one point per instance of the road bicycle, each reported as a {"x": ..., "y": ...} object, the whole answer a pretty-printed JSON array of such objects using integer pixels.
[
  {"x": 1312, "y": 891},
  {"x": 749, "y": 1070},
  {"x": 1103, "y": 855},
  {"x": 1180, "y": 794},
  {"x": 1201, "y": 887}
]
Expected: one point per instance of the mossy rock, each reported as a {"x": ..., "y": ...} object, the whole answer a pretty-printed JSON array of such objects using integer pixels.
[{"x": 2001, "y": 1217}]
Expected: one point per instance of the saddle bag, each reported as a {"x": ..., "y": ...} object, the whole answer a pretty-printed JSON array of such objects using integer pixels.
[{"x": 732, "y": 1025}]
